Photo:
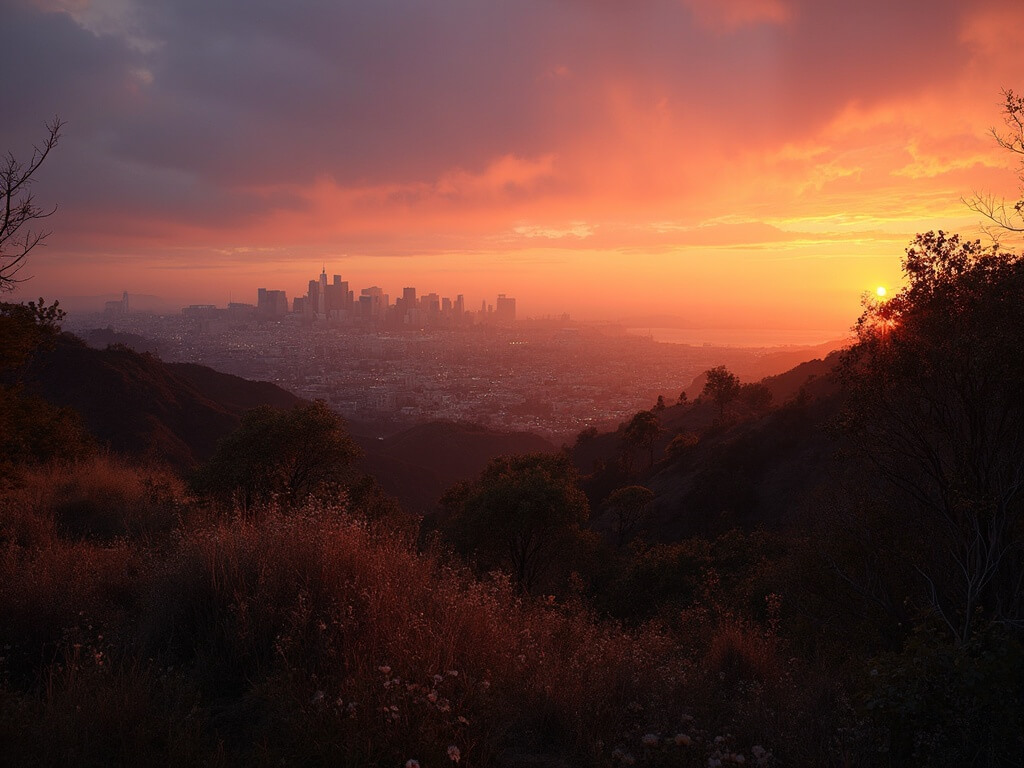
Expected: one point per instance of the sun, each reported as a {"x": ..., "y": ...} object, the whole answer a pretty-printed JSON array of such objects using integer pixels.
[{"x": 880, "y": 290}]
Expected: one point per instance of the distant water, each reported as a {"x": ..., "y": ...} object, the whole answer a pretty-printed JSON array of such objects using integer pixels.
[{"x": 737, "y": 337}]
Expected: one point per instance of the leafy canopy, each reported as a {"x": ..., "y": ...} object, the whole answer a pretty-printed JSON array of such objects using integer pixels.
[
  {"x": 521, "y": 515},
  {"x": 282, "y": 455}
]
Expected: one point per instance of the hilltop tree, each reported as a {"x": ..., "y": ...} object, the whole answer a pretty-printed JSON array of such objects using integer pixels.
[
  {"x": 936, "y": 402},
  {"x": 757, "y": 396},
  {"x": 18, "y": 207},
  {"x": 523, "y": 515},
  {"x": 641, "y": 432},
  {"x": 722, "y": 388},
  {"x": 31, "y": 429},
  {"x": 283, "y": 455}
]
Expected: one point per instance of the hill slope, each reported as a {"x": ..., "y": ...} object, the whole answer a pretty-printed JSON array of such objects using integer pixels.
[
  {"x": 136, "y": 404},
  {"x": 420, "y": 463}
]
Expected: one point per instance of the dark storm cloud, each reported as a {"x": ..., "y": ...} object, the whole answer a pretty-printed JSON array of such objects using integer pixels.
[{"x": 174, "y": 106}]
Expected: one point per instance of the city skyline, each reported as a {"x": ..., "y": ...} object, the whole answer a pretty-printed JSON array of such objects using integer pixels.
[{"x": 745, "y": 162}]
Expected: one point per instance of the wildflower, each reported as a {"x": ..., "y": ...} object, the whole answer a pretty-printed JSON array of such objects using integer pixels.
[
  {"x": 650, "y": 740},
  {"x": 384, "y": 670},
  {"x": 683, "y": 740},
  {"x": 432, "y": 697},
  {"x": 463, "y": 720},
  {"x": 438, "y": 679},
  {"x": 454, "y": 754},
  {"x": 410, "y": 763}
]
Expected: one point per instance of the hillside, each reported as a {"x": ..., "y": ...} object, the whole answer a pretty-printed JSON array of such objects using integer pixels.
[
  {"x": 420, "y": 463},
  {"x": 136, "y": 404},
  {"x": 757, "y": 469}
]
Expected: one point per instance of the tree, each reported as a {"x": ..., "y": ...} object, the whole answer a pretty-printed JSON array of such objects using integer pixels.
[
  {"x": 32, "y": 430},
  {"x": 757, "y": 396},
  {"x": 659, "y": 406},
  {"x": 682, "y": 398},
  {"x": 641, "y": 431},
  {"x": 17, "y": 238},
  {"x": 722, "y": 387},
  {"x": 935, "y": 387},
  {"x": 523, "y": 515},
  {"x": 283, "y": 455},
  {"x": 1010, "y": 219},
  {"x": 25, "y": 329},
  {"x": 630, "y": 507}
]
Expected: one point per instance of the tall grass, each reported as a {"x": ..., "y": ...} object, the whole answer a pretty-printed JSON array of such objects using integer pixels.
[{"x": 136, "y": 630}]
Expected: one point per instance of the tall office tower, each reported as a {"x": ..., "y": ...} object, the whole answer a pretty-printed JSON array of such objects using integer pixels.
[
  {"x": 313, "y": 297},
  {"x": 261, "y": 301},
  {"x": 446, "y": 306},
  {"x": 124, "y": 302},
  {"x": 506, "y": 310},
  {"x": 321, "y": 307},
  {"x": 372, "y": 303},
  {"x": 460, "y": 305},
  {"x": 409, "y": 298},
  {"x": 431, "y": 303},
  {"x": 277, "y": 301}
]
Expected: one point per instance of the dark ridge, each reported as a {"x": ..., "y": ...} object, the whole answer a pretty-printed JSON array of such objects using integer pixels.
[{"x": 136, "y": 404}]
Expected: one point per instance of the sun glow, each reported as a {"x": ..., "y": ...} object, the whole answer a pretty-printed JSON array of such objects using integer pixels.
[{"x": 880, "y": 290}]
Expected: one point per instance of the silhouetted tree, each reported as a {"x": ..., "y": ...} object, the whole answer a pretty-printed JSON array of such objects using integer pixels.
[
  {"x": 641, "y": 432},
  {"x": 26, "y": 329},
  {"x": 586, "y": 435},
  {"x": 660, "y": 405},
  {"x": 18, "y": 208},
  {"x": 31, "y": 429},
  {"x": 681, "y": 443},
  {"x": 283, "y": 455},
  {"x": 756, "y": 396},
  {"x": 936, "y": 402},
  {"x": 630, "y": 506},
  {"x": 1006, "y": 216},
  {"x": 682, "y": 397},
  {"x": 721, "y": 387},
  {"x": 523, "y": 515}
]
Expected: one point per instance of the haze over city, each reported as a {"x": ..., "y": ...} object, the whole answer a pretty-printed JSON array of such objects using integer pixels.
[{"x": 732, "y": 164}]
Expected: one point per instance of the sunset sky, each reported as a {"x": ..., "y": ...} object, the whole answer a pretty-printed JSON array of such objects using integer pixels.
[{"x": 730, "y": 163}]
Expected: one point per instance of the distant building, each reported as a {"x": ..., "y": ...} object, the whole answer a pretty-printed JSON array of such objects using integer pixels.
[
  {"x": 271, "y": 303},
  {"x": 117, "y": 307},
  {"x": 506, "y": 309}
]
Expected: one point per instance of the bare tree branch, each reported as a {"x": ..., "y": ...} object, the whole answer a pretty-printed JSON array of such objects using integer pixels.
[{"x": 17, "y": 237}]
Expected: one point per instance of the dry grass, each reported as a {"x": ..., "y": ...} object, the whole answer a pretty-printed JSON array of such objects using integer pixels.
[
  {"x": 318, "y": 638},
  {"x": 98, "y": 497}
]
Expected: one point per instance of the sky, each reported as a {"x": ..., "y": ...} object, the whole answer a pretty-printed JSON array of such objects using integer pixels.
[{"x": 706, "y": 163}]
